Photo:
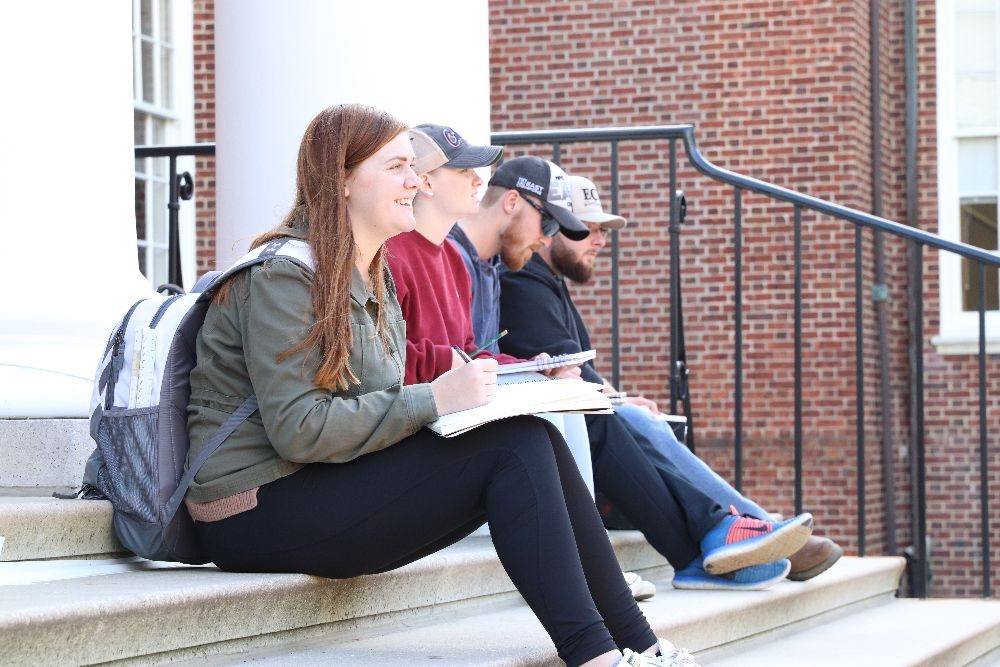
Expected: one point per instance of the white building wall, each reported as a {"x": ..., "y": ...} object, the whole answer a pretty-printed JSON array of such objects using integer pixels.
[
  {"x": 68, "y": 264},
  {"x": 68, "y": 269},
  {"x": 279, "y": 64}
]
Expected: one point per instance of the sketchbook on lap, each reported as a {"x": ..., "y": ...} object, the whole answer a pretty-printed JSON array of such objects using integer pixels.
[
  {"x": 527, "y": 396},
  {"x": 572, "y": 359}
]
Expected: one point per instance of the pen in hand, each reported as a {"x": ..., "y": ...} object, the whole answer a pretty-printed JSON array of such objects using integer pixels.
[
  {"x": 482, "y": 348},
  {"x": 461, "y": 353}
]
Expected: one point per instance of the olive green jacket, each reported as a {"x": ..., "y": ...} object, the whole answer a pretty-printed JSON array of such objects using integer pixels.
[{"x": 269, "y": 311}]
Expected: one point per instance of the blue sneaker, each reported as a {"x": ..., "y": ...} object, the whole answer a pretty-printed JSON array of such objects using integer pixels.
[
  {"x": 753, "y": 578},
  {"x": 738, "y": 541}
]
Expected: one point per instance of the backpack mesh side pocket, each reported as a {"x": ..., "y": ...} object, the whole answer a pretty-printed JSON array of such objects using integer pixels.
[{"x": 127, "y": 440}]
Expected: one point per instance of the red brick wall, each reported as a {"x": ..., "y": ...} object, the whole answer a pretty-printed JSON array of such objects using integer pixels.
[
  {"x": 779, "y": 91},
  {"x": 204, "y": 120}
]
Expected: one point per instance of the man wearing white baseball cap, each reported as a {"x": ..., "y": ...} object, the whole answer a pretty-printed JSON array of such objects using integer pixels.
[
  {"x": 541, "y": 288},
  {"x": 674, "y": 514}
]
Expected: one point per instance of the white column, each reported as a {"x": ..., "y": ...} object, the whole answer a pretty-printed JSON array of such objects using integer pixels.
[
  {"x": 68, "y": 264},
  {"x": 279, "y": 63}
]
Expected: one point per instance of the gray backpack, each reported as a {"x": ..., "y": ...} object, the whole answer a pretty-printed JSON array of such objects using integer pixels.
[{"x": 138, "y": 416}]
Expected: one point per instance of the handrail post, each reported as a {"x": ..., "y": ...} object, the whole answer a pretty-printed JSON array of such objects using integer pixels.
[
  {"x": 173, "y": 230},
  {"x": 984, "y": 472},
  {"x": 798, "y": 359},
  {"x": 675, "y": 280},
  {"x": 615, "y": 317},
  {"x": 859, "y": 383},
  {"x": 738, "y": 339},
  {"x": 921, "y": 572}
]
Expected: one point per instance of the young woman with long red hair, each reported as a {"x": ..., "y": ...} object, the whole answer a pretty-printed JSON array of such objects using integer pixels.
[{"x": 335, "y": 475}]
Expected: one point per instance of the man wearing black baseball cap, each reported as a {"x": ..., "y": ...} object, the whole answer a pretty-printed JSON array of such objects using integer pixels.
[{"x": 546, "y": 181}]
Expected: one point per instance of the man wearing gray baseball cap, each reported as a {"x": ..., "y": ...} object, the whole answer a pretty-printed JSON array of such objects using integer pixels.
[
  {"x": 440, "y": 146},
  {"x": 542, "y": 288}
]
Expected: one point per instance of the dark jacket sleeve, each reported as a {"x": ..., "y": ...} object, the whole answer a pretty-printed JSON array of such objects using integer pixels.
[{"x": 536, "y": 320}]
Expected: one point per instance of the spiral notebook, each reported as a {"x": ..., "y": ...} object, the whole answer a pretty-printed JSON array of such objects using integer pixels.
[
  {"x": 527, "y": 397},
  {"x": 572, "y": 359}
]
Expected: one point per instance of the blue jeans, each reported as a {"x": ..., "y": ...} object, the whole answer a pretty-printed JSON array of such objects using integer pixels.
[{"x": 643, "y": 424}]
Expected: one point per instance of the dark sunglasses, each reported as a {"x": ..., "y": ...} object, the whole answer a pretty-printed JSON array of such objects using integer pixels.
[{"x": 549, "y": 225}]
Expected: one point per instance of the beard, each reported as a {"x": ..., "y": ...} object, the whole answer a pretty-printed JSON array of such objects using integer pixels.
[
  {"x": 515, "y": 248},
  {"x": 568, "y": 264},
  {"x": 514, "y": 260}
]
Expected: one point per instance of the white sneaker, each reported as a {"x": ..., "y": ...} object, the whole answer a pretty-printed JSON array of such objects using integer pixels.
[
  {"x": 641, "y": 589},
  {"x": 670, "y": 656},
  {"x": 632, "y": 659}
]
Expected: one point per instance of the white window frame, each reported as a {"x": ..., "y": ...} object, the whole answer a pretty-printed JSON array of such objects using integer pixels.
[
  {"x": 180, "y": 125},
  {"x": 959, "y": 329}
]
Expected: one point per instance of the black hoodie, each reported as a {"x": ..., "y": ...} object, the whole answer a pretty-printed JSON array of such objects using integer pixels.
[{"x": 539, "y": 316}]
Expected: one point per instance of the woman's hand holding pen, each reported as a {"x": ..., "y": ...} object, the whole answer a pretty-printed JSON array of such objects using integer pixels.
[{"x": 469, "y": 386}]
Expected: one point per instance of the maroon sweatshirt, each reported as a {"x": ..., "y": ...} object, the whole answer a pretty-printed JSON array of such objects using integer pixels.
[{"x": 432, "y": 285}]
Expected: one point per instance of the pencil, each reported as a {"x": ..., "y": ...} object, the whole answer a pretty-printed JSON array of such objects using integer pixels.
[
  {"x": 485, "y": 345},
  {"x": 461, "y": 353}
]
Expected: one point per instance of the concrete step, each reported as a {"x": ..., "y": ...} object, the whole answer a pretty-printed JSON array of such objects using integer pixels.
[
  {"x": 44, "y": 528},
  {"x": 505, "y": 633},
  {"x": 897, "y": 633},
  {"x": 73, "y": 612},
  {"x": 42, "y": 455}
]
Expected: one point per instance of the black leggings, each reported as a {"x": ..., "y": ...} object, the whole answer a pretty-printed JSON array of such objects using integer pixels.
[
  {"x": 649, "y": 490},
  {"x": 386, "y": 509}
]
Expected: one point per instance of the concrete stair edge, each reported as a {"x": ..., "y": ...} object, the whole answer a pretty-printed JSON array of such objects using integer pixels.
[
  {"x": 899, "y": 633},
  {"x": 46, "y": 453},
  {"x": 851, "y": 581},
  {"x": 48, "y": 528},
  {"x": 507, "y": 634},
  {"x": 117, "y": 616}
]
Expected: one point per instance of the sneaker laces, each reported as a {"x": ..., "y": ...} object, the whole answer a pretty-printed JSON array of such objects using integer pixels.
[
  {"x": 678, "y": 657},
  {"x": 671, "y": 656}
]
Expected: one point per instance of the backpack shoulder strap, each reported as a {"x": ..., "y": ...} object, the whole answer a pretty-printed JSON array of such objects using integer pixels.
[
  {"x": 248, "y": 407},
  {"x": 296, "y": 250},
  {"x": 300, "y": 253}
]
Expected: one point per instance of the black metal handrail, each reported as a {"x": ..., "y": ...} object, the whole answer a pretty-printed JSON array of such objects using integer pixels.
[
  {"x": 916, "y": 239},
  {"x": 181, "y": 187},
  {"x": 686, "y": 134}
]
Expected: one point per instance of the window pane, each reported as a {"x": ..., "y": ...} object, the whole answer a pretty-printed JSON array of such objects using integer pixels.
[
  {"x": 974, "y": 5},
  {"x": 975, "y": 100},
  {"x": 165, "y": 27},
  {"x": 979, "y": 228},
  {"x": 146, "y": 12},
  {"x": 139, "y": 138},
  {"x": 140, "y": 209},
  {"x": 166, "y": 98},
  {"x": 159, "y": 131},
  {"x": 139, "y": 128},
  {"x": 975, "y": 42},
  {"x": 975, "y": 69},
  {"x": 147, "y": 72},
  {"x": 977, "y": 167},
  {"x": 161, "y": 164},
  {"x": 159, "y": 212},
  {"x": 160, "y": 267}
]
